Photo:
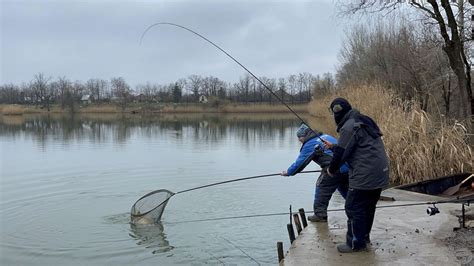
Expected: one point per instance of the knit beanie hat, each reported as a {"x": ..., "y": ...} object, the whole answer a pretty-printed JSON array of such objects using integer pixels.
[{"x": 303, "y": 131}]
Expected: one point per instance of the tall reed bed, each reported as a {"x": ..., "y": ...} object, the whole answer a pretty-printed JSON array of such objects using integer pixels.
[
  {"x": 18, "y": 109},
  {"x": 419, "y": 146}
]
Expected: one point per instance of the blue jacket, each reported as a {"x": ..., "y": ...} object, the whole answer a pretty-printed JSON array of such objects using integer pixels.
[{"x": 313, "y": 150}]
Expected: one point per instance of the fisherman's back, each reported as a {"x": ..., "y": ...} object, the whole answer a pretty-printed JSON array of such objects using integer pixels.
[{"x": 368, "y": 162}]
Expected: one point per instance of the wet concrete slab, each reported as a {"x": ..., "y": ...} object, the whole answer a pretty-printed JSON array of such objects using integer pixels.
[{"x": 400, "y": 236}]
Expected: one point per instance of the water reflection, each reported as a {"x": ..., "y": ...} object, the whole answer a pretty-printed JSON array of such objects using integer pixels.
[
  {"x": 151, "y": 236},
  {"x": 120, "y": 128}
]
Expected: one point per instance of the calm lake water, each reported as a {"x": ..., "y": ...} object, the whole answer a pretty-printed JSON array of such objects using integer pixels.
[{"x": 68, "y": 183}]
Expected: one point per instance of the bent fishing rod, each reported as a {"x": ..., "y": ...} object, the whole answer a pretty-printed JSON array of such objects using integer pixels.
[{"x": 231, "y": 57}]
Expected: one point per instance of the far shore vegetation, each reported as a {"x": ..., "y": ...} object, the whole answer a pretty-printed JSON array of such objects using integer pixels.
[{"x": 150, "y": 109}]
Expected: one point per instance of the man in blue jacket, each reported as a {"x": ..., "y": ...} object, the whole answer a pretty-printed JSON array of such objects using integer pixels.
[
  {"x": 360, "y": 146},
  {"x": 313, "y": 150}
]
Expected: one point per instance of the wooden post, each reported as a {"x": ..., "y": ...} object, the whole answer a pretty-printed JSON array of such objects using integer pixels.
[
  {"x": 303, "y": 217},
  {"x": 297, "y": 223},
  {"x": 291, "y": 232},
  {"x": 280, "y": 251}
]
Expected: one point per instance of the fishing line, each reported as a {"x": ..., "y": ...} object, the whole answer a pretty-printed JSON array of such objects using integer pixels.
[
  {"x": 245, "y": 253},
  {"x": 230, "y": 56},
  {"x": 330, "y": 210}
]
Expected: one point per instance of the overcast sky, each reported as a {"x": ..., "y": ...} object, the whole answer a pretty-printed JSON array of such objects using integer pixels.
[{"x": 100, "y": 39}]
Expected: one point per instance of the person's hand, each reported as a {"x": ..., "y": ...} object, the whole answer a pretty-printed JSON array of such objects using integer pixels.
[
  {"x": 327, "y": 144},
  {"x": 284, "y": 173},
  {"x": 318, "y": 149},
  {"x": 329, "y": 173}
]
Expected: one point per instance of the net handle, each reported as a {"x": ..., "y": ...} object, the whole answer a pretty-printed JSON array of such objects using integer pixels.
[{"x": 241, "y": 179}]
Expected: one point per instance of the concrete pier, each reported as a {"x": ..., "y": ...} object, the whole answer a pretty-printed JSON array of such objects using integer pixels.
[{"x": 400, "y": 236}]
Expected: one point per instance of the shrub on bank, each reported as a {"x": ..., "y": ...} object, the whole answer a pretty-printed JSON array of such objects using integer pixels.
[{"x": 419, "y": 146}]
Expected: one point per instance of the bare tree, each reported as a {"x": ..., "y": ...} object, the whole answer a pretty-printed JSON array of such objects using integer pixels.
[
  {"x": 322, "y": 85},
  {"x": 451, "y": 30},
  {"x": 63, "y": 85},
  {"x": 103, "y": 88},
  {"x": 194, "y": 84},
  {"x": 282, "y": 89},
  {"x": 304, "y": 81},
  {"x": 43, "y": 92},
  {"x": 93, "y": 88},
  {"x": 147, "y": 90},
  {"x": 243, "y": 88},
  {"x": 10, "y": 93},
  {"x": 265, "y": 95},
  {"x": 121, "y": 91},
  {"x": 400, "y": 56},
  {"x": 292, "y": 86},
  {"x": 96, "y": 88}
]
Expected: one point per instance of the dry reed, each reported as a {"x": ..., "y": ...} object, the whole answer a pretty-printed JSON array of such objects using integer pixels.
[
  {"x": 99, "y": 109},
  {"x": 419, "y": 146},
  {"x": 12, "y": 109}
]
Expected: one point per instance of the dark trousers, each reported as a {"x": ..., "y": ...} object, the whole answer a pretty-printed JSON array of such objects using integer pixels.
[
  {"x": 360, "y": 211},
  {"x": 325, "y": 187}
]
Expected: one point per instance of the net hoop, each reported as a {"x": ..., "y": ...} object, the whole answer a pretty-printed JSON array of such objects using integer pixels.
[{"x": 135, "y": 213}]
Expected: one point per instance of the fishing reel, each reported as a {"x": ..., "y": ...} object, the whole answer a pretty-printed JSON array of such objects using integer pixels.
[{"x": 432, "y": 210}]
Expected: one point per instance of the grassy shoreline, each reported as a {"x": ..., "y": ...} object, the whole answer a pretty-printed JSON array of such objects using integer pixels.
[{"x": 16, "y": 109}]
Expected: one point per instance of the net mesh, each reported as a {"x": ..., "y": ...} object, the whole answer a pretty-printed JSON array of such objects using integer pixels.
[{"x": 149, "y": 208}]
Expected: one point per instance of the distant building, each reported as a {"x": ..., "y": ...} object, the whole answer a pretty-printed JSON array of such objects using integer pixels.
[
  {"x": 115, "y": 99},
  {"x": 87, "y": 99},
  {"x": 28, "y": 99},
  {"x": 137, "y": 97},
  {"x": 203, "y": 99}
]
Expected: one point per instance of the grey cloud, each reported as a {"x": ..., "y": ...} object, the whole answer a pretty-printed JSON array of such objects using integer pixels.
[{"x": 81, "y": 40}]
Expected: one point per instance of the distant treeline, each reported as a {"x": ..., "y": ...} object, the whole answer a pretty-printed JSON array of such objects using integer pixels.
[{"x": 44, "y": 91}]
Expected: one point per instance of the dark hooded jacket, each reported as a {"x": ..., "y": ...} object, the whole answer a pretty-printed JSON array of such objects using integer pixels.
[{"x": 361, "y": 146}]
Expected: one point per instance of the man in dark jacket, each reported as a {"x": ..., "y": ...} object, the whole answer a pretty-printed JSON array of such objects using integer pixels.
[
  {"x": 313, "y": 150},
  {"x": 361, "y": 146}
]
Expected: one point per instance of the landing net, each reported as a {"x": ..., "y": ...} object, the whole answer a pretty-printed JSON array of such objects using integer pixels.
[{"x": 149, "y": 208}]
